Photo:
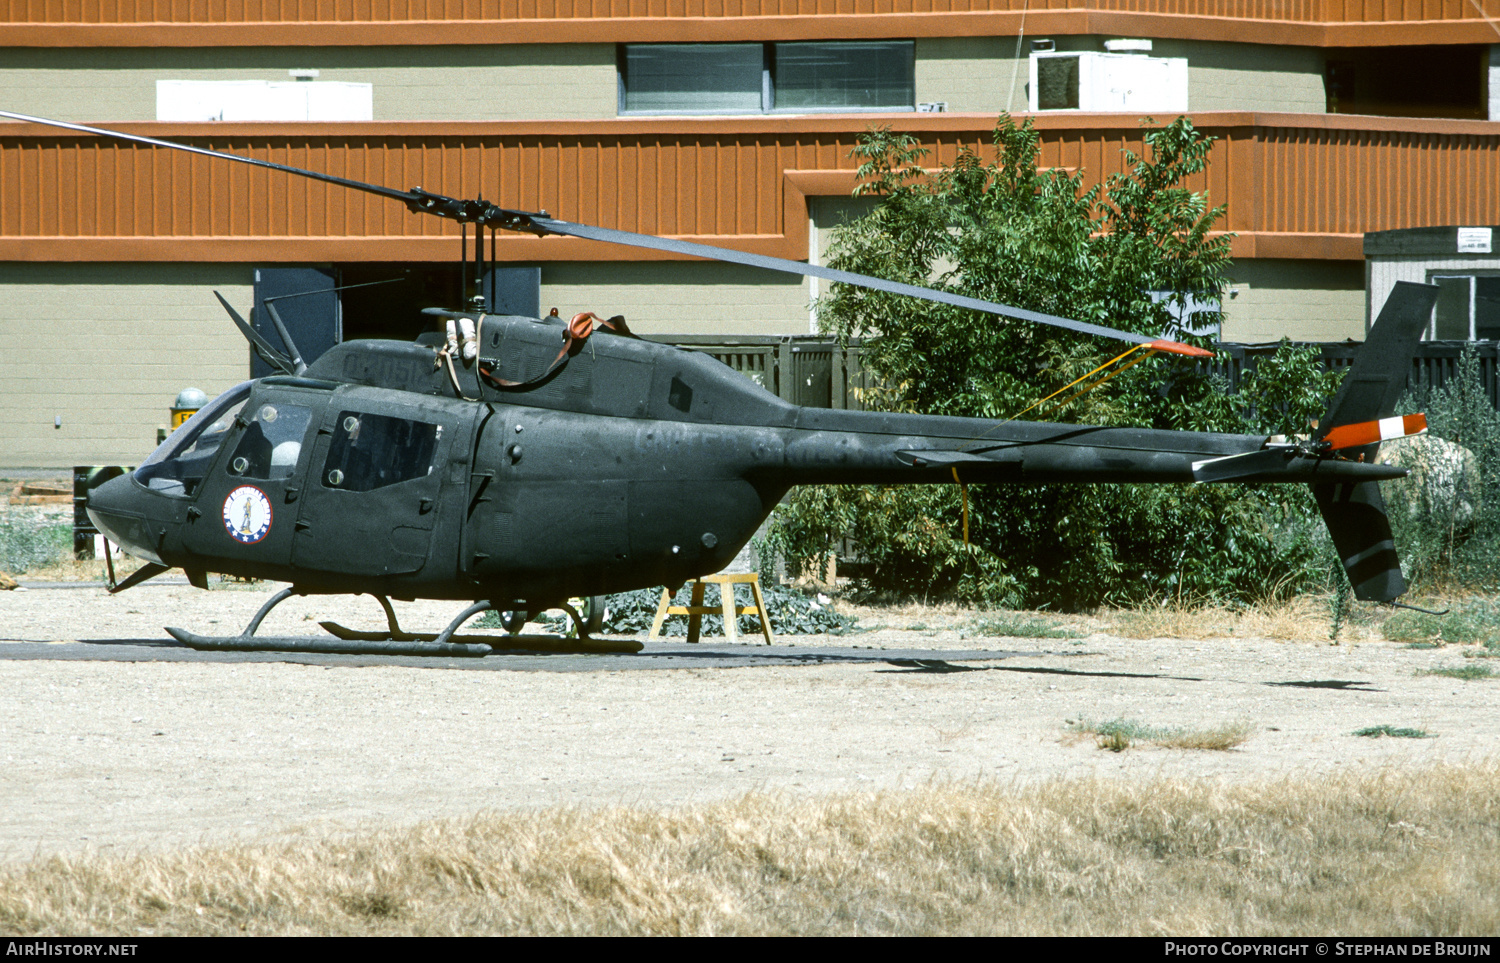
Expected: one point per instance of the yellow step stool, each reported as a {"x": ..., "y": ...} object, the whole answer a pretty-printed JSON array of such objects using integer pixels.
[{"x": 731, "y": 612}]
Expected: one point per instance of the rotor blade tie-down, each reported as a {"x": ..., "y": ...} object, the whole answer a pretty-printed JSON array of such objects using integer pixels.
[
  {"x": 575, "y": 334},
  {"x": 963, "y": 490},
  {"x": 1149, "y": 349}
]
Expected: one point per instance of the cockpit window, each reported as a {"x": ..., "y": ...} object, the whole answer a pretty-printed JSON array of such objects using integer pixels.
[
  {"x": 178, "y": 464},
  {"x": 270, "y": 447},
  {"x": 373, "y": 451}
]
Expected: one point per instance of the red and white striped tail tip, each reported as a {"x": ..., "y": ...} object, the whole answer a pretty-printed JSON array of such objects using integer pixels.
[{"x": 1369, "y": 432}]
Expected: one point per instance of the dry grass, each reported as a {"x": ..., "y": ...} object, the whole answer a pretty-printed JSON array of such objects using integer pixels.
[
  {"x": 1302, "y": 619},
  {"x": 1377, "y": 854}
]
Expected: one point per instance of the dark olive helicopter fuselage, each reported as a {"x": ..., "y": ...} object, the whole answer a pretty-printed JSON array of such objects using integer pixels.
[{"x": 633, "y": 464}]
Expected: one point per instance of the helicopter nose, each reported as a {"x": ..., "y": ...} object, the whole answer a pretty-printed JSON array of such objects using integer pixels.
[{"x": 115, "y": 507}]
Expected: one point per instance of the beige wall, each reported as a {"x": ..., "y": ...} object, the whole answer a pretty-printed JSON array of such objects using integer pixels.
[
  {"x": 1269, "y": 299},
  {"x": 578, "y": 81},
  {"x": 680, "y": 297},
  {"x": 106, "y": 347},
  {"x": 521, "y": 82},
  {"x": 974, "y": 73}
]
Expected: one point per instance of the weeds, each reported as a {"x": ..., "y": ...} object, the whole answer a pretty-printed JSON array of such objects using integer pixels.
[
  {"x": 31, "y": 540},
  {"x": 1118, "y": 735},
  {"x": 1469, "y": 673},
  {"x": 1020, "y": 626},
  {"x": 1375, "y": 732},
  {"x": 1476, "y": 622}
]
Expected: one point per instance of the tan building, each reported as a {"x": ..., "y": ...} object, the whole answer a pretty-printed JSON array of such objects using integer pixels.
[{"x": 726, "y": 123}]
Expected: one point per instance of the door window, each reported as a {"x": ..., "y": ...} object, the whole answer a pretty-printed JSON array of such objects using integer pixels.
[
  {"x": 272, "y": 443},
  {"x": 372, "y": 451}
]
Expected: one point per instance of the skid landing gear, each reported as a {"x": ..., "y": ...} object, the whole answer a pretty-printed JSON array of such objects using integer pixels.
[{"x": 396, "y": 641}]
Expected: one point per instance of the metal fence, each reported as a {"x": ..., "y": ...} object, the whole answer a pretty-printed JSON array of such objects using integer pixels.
[
  {"x": 816, "y": 371},
  {"x": 808, "y": 370}
]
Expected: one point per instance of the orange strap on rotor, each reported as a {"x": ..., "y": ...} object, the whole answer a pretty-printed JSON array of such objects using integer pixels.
[{"x": 575, "y": 333}]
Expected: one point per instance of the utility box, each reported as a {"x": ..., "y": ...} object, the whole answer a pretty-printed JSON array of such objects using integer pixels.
[
  {"x": 1127, "y": 83},
  {"x": 1464, "y": 263}
]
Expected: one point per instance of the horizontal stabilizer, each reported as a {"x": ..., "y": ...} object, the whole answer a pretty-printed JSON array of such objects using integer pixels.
[
  {"x": 1241, "y": 466},
  {"x": 923, "y": 457},
  {"x": 1283, "y": 463},
  {"x": 1370, "y": 432}
]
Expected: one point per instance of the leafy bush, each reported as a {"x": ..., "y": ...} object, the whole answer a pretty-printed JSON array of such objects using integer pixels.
[
  {"x": 30, "y": 541},
  {"x": 1127, "y": 254}
]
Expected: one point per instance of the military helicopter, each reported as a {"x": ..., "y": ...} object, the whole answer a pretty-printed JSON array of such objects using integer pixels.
[{"x": 515, "y": 462}]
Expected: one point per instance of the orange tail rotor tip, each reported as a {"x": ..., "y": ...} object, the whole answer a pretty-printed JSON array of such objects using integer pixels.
[{"x": 1370, "y": 432}]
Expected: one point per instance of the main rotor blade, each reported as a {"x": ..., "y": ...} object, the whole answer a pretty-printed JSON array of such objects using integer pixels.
[
  {"x": 406, "y": 197},
  {"x": 490, "y": 215},
  {"x": 712, "y": 252}
]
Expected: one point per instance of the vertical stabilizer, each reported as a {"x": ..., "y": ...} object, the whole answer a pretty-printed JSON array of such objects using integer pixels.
[{"x": 1355, "y": 514}]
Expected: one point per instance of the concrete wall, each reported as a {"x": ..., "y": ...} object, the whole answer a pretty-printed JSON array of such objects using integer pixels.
[
  {"x": 974, "y": 73},
  {"x": 680, "y": 297},
  {"x": 521, "y": 82},
  {"x": 1268, "y": 299},
  {"x": 1244, "y": 76},
  {"x": 106, "y": 348},
  {"x": 824, "y": 215}
]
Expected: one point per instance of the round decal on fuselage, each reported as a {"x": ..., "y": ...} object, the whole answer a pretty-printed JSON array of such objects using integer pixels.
[{"x": 247, "y": 514}]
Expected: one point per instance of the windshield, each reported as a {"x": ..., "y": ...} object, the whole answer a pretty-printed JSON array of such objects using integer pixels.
[{"x": 179, "y": 463}]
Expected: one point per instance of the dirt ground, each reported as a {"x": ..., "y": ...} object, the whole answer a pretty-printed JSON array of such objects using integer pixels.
[{"x": 111, "y": 756}]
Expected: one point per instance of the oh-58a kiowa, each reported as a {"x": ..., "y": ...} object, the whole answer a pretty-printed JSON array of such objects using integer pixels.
[{"x": 516, "y": 462}]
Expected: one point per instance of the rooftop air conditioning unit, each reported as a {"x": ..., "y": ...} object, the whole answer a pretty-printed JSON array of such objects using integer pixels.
[{"x": 1128, "y": 83}]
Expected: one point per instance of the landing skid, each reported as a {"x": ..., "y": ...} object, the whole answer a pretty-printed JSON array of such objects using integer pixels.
[
  {"x": 526, "y": 643},
  {"x": 396, "y": 641},
  {"x": 244, "y": 643}
]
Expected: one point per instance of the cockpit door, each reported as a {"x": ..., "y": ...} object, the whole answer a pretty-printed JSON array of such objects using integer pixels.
[
  {"x": 375, "y": 490},
  {"x": 246, "y": 506}
]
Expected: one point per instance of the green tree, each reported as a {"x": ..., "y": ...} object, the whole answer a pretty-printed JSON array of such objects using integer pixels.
[{"x": 1138, "y": 252}]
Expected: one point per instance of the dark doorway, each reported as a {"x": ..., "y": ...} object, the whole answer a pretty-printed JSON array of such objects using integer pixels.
[
  {"x": 304, "y": 298},
  {"x": 394, "y": 309},
  {"x": 1446, "y": 81}
]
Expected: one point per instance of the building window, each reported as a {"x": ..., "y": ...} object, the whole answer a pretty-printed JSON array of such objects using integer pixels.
[
  {"x": 754, "y": 78},
  {"x": 1410, "y": 81},
  {"x": 1468, "y": 308}
]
